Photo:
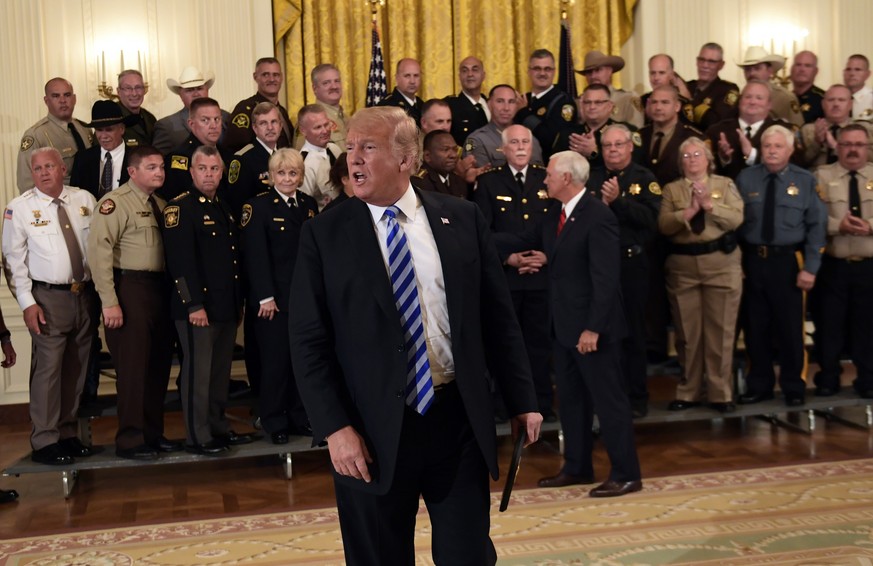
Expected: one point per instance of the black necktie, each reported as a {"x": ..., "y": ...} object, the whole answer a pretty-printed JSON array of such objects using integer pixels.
[
  {"x": 854, "y": 195},
  {"x": 749, "y": 132},
  {"x": 106, "y": 177},
  {"x": 331, "y": 158},
  {"x": 156, "y": 210},
  {"x": 656, "y": 147},
  {"x": 80, "y": 144},
  {"x": 519, "y": 178},
  {"x": 292, "y": 202},
  {"x": 479, "y": 109},
  {"x": 768, "y": 230},
  {"x": 832, "y": 157}
]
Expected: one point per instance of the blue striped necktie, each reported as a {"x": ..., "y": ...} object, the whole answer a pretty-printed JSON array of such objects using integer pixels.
[{"x": 419, "y": 385}]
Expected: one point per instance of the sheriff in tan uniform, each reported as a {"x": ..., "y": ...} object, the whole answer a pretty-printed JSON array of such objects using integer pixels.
[
  {"x": 127, "y": 254},
  {"x": 50, "y": 132}
]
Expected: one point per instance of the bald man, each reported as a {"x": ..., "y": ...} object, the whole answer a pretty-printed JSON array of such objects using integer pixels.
[
  {"x": 470, "y": 107},
  {"x": 407, "y": 81}
]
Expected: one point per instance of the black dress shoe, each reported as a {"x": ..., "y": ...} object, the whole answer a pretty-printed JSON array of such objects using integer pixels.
[
  {"x": 613, "y": 488},
  {"x": 234, "y": 439},
  {"x": 74, "y": 447},
  {"x": 563, "y": 479},
  {"x": 8, "y": 496},
  {"x": 751, "y": 398},
  {"x": 865, "y": 393},
  {"x": 280, "y": 437},
  {"x": 680, "y": 405},
  {"x": 166, "y": 445},
  {"x": 211, "y": 448},
  {"x": 639, "y": 409},
  {"x": 826, "y": 391},
  {"x": 727, "y": 407},
  {"x": 52, "y": 455},
  {"x": 794, "y": 400},
  {"x": 141, "y": 452}
]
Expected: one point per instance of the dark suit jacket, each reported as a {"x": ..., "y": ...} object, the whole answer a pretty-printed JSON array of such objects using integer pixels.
[
  {"x": 86, "y": 170},
  {"x": 666, "y": 169},
  {"x": 347, "y": 343},
  {"x": 729, "y": 129},
  {"x": 584, "y": 269},
  {"x": 398, "y": 100}
]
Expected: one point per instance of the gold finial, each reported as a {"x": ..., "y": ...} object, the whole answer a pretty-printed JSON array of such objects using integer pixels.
[
  {"x": 565, "y": 4},
  {"x": 374, "y": 7}
]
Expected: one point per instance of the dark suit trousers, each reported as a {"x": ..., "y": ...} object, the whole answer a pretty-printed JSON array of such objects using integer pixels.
[
  {"x": 532, "y": 310},
  {"x": 774, "y": 311},
  {"x": 438, "y": 459},
  {"x": 589, "y": 385},
  {"x": 208, "y": 354},
  {"x": 59, "y": 359},
  {"x": 845, "y": 294},
  {"x": 251, "y": 348},
  {"x": 279, "y": 403},
  {"x": 141, "y": 350}
]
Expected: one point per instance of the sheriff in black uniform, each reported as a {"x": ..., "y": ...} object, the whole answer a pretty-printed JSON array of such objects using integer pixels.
[
  {"x": 248, "y": 173},
  {"x": 547, "y": 111},
  {"x": 241, "y": 129},
  {"x": 270, "y": 235},
  {"x": 712, "y": 98},
  {"x": 200, "y": 241},
  {"x": 634, "y": 196},
  {"x": 513, "y": 198}
]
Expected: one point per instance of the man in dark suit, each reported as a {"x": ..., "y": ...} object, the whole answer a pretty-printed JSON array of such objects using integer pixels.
[
  {"x": 405, "y": 405},
  {"x": 90, "y": 166},
  {"x": 581, "y": 241},
  {"x": 407, "y": 81}
]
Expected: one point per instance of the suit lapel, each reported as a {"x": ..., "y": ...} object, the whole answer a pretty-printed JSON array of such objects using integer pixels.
[
  {"x": 368, "y": 256},
  {"x": 447, "y": 243},
  {"x": 569, "y": 224}
]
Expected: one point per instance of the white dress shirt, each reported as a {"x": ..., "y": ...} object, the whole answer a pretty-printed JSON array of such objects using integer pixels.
[
  {"x": 481, "y": 102},
  {"x": 862, "y": 104},
  {"x": 753, "y": 155},
  {"x": 571, "y": 204},
  {"x": 428, "y": 279},
  {"x": 316, "y": 177},
  {"x": 33, "y": 245}
]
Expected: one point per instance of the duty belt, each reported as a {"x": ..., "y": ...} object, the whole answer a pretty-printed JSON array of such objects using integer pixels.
[
  {"x": 764, "y": 252},
  {"x": 74, "y": 288}
]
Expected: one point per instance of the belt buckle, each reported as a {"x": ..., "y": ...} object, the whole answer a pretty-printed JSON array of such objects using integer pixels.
[
  {"x": 76, "y": 288},
  {"x": 762, "y": 252}
]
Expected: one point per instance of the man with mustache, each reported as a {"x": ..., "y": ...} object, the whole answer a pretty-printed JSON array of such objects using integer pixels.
[
  {"x": 327, "y": 85},
  {"x": 268, "y": 75},
  {"x": 819, "y": 139},
  {"x": 58, "y": 130},
  {"x": 845, "y": 281}
]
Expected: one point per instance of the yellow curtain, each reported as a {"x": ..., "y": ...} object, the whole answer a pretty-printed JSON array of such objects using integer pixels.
[{"x": 439, "y": 33}]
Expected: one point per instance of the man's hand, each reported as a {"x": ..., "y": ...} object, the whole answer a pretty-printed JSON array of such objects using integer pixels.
[
  {"x": 610, "y": 190},
  {"x": 113, "y": 317},
  {"x": 745, "y": 144},
  {"x": 587, "y": 342},
  {"x": 725, "y": 151},
  {"x": 532, "y": 261},
  {"x": 268, "y": 310},
  {"x": 198, "y": 318},
  {"x": 9, "y": 355},
  {"x": 805, "y": 280},
  {"x": 33, "y": 317},
  {"x": 584, "y": 144},
  {"x": 530, "y": 423},
  {"x": 821, "y": 131},
  {"x": 349, "y": 454},
  {"x": 854, "y": 226}
]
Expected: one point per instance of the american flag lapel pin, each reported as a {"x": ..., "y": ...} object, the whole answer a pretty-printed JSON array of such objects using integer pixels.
[{"x": 445, "y": 220}]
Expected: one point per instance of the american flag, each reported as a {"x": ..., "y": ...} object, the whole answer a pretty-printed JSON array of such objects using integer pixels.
[
  {"x": 566, "y": 73},
  {"x": 377, "y": 86}
]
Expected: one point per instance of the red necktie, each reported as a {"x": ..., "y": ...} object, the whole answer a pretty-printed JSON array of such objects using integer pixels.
[{"x": 561, "y": 220}]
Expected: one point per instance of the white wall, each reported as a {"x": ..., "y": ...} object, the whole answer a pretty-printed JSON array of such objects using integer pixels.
[{"x": 41, "y": 39}]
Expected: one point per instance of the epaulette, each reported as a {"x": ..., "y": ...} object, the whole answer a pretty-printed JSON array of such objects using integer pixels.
[
  {"x": 492, "y": 170},
  {"x": 817, "y": 90},
  {"x": 693, "y": 130},
  {"x": 244, "y": 149},
  {"x": 180, "y": 197},
  {"x": 536, "y": 166},
  {"x": 262, "y": 194}
]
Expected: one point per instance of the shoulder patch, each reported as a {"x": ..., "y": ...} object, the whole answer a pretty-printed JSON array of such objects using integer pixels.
[
  {"x": 567, "y": 112},
  {"x": 795, "y": 106},
  {"x": 637, "y": 103},
  {"x": 179, "y": 162},
  {"x": 177, "y": 198},
  {"x": 731, "y": 97},
  {"x": 637, "y": 139},
  {"x": 107, "y": 206},
  {"x": 26, "y": 143},
  {"x": 655, "y": 188},
  {"x": 469, "y": 146},
  {"x": 241, "y": 120},
  {"x": 171, "y": 216},
  {"x": 821, "y": 191},
  {"x": 233, "y": 171},
  {"x": 246, "y": 215}
]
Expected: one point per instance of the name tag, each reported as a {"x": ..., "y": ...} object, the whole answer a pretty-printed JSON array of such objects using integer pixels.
[
  {"x": 503, "y": 198},
  {"x": 278, "y": 220}
]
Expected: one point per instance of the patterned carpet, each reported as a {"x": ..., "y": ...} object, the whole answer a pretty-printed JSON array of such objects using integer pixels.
[{"x": 815, "y": 514}]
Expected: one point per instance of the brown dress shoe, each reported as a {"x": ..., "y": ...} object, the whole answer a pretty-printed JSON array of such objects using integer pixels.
[
  {"x": 563, "y": 479},
  {"x": 613, "y": 488}
]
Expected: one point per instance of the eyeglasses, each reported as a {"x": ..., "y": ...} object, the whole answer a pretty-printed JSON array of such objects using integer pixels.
[
  {"x": 137, "y": 88},
  {"x": 541, "y": 69},
  {"x": 708, "y": 61},
  {"x": 616, "y": 145},
  {"x": 853, "y": 145},
  {"x": 594, "y": 102},
  {"x": 695, "y": 155}
]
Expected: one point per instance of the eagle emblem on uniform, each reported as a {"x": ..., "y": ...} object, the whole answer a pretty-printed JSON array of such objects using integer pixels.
[
  {"x": 567, "y": 112},
  {"x": 246, "y": 215},
  {"x": 240, "y": 120},
  {"x": 233, "y": 171},
  {"x": 171, "y": 216},
  {"x": 26, "y": 143},
  {"x": 107, "y": 206},
  {"x": 655, "y": 188}
]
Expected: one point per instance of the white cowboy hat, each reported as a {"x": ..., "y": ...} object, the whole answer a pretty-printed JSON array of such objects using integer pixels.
[
  {"x": 757, "y": 54},
  {"x": 191, "y": 77}
]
